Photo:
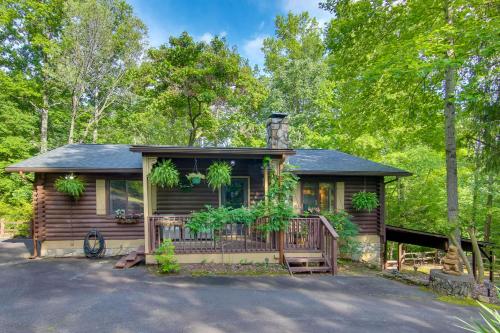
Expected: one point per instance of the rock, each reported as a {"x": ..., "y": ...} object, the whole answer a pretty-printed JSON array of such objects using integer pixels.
[
  {"x": 454, "y": 285},
  {"x": 451, "y": 262}
]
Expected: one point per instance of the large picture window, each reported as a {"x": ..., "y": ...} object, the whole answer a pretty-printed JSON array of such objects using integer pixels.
[
  {"x": 318, "y": 195},
  {"x": 236, "y": 194},
  {"x": 126, "y": 195}
]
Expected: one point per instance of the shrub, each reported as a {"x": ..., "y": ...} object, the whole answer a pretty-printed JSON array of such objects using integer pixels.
[
  {"x": 219, "y": 174},
  {"x": 70, "y": 185},
  {"x": 164, "y": 174},
  {"x": 347, "y": 230},
  {"x": 242, "y": 215},
  {"x": 165, "y": 257},
  {"x": 365, "y": 201},
  {"x": 209, "y": 219}
]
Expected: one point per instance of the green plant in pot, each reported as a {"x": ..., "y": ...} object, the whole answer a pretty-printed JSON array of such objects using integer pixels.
[
  {"x": 70, "y": 185},
  {"x": 164, "y": 174},
  {"x": 195, "y": 178},
  {"x": 365, "y": 201},
  {"x": 219, "y": 174}
]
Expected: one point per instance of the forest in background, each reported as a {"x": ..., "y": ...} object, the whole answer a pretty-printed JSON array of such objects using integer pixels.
[{"x": 375, "y": 82}]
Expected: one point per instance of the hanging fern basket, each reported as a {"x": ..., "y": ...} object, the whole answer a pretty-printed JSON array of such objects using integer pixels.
[
  {"x": 365, "y": 201},
  {"x": 70, "y": 185},
  {"x": 219, "y": 174},
  {"x": 164, "y": 174}
]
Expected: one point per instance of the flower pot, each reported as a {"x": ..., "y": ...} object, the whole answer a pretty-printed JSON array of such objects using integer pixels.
[{"x": 196, "y": 180}]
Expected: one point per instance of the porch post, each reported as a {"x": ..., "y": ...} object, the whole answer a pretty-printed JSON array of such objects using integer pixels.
[
  {"x": 147, "y": 165},
  {"x": 400, "y": 256},
  {"x": 281, "y": 232}
]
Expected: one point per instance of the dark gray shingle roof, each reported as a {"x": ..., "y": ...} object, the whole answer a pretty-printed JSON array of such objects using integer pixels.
[
  {"x": 83, "y": 157},
  {"x": 119, "y": 158},
  {"x": 334, "y": 162}
]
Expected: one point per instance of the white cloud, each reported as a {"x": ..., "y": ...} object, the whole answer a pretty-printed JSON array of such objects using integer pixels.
[
  {"x": 208, "y": 36},
  {"x": 311, "y": 6},
  {"x": 252, "y": 50}
]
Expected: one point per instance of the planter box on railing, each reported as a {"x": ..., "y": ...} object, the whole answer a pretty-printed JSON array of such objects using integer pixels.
[{"x": 129, "y": 219}]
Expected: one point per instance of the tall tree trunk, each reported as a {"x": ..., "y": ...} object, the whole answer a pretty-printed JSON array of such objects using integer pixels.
[
  {"x": 472, "y": 229},
  {"x": 44, "y": 121},
  {"x": 476, "y": 252},
  {"x": 489, "y": 209},
  {"x": 451, "y": 145},
  {"x": 74, "y": 112}
]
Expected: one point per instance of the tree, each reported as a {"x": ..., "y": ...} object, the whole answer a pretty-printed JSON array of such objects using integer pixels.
[
  {"x": 295, "y": 62},
  {"x": 101, "y": 40},
  {"x": 406, "y": 61},
  {"x": 30, "y": 33},
  {"x": 190, "y": 82}
]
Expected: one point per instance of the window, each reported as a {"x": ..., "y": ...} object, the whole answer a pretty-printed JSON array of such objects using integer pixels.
[
  {"x": 318, "y": 195},
  {"x": 236, "y": 194},
  {"x": 126, "y": 195}
]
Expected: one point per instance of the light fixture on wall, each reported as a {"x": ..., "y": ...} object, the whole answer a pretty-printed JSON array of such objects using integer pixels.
[{"x": 233, "y": 163}]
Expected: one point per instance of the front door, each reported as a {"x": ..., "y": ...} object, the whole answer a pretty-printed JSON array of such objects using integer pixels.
[{"x": 236, "y": 194}]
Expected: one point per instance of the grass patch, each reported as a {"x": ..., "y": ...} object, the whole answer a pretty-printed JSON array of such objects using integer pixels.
[
  {"x": 461, "y": 301},
  {"x": 356, "y": 268}
]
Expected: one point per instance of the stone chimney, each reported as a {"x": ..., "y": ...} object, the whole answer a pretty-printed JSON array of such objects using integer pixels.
[{"x": 277, "y": 131}]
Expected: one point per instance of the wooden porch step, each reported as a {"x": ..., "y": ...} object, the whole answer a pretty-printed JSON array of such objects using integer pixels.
[
  {"x": 305, "y": 259},
  {"x": 311, "y": 269},
  {"x": 131, "y": 259},
  {"x": 302, "y": 265}
]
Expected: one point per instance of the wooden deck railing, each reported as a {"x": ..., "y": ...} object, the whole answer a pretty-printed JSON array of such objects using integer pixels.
[
  {"x": 235, "y": 237},
  {"x": 302, "y": 235}
]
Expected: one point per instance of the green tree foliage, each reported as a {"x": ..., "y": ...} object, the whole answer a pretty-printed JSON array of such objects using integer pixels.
[
  {"x": 294, "y": 59},
  {"x": 398, "y": 68},
  {"x": 195, "y": 88}
]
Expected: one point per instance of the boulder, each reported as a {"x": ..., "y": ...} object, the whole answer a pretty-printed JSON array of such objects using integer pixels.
[{"x": 454, "y": 285}]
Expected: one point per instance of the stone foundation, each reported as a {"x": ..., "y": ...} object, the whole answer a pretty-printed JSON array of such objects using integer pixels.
[
  {"x": 369, "y": 249},
  {"x": 453, "y": 285},
  {"x": 74, "y": 248}
]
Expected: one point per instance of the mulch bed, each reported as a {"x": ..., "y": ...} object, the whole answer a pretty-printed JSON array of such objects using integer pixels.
[{"x": 211, "y": 269}]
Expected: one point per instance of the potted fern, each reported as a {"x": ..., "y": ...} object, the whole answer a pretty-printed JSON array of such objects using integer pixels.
[
  {"x": 219, "y": 174},
  {"x": 70, "y": 185},
  {"x": 164, "y": 174},
  {"x": 195, "y": 178},
  {"x": 365, "y": 201}
]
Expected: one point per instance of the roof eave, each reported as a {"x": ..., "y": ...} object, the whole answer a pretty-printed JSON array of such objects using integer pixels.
[
  {"x": 351, "y": 173},
  {"x": 73, "y": 170},
  {"x": 211, "y": 152}
]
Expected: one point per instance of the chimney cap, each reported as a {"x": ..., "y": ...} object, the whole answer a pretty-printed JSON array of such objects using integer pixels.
[{"x": 278, "y": 115}]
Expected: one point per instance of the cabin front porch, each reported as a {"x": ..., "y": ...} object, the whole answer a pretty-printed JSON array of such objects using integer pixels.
[{"x": 167, "y": 210}]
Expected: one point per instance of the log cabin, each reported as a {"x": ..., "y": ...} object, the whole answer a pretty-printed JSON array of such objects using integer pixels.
[{"x": 116, "y": 178}]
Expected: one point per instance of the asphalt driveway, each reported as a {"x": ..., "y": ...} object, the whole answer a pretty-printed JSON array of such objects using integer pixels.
[{"x": 80, "y": 295}]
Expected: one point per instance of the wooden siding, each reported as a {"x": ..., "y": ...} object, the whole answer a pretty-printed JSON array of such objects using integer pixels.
[
  {"x": 370, "y": 223},
  {"x": 58, "y": 217},
  {"x": 176, "y": 201}
]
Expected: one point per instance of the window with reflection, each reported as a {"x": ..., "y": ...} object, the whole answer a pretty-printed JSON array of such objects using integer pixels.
[
  {"x": 126, "y": 195},
  {"x": 318, "y": 195}
]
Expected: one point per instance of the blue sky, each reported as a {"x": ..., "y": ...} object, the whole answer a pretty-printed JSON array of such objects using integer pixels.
[{"x": 244, "y": 23}]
